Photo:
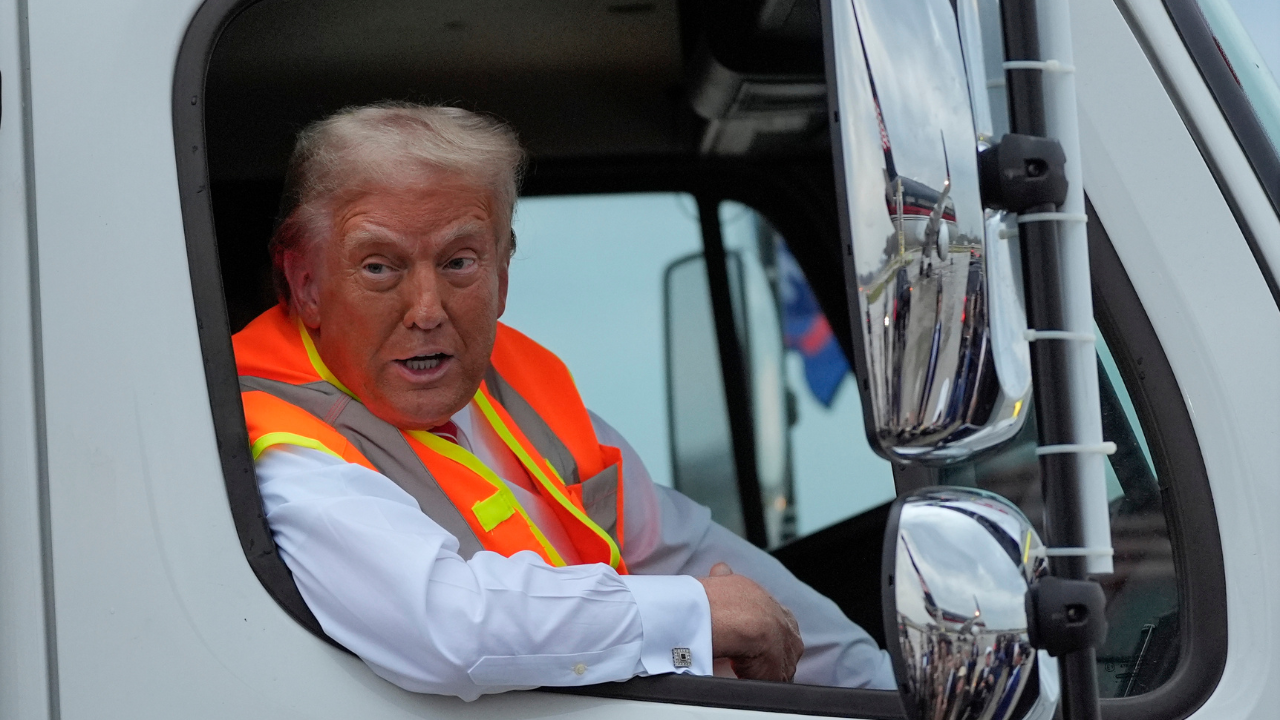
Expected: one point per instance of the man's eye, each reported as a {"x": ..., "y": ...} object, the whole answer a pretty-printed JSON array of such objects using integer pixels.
[
  {"x": 459, "y": 263},
  {"x": 375, "y": 268}
]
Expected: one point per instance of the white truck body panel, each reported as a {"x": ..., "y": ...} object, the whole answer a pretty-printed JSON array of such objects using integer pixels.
[
  {"x": 156, "y": 614},
  {"x": 1209, "y": 305}
]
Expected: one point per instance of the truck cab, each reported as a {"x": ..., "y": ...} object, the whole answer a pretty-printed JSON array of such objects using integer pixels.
[{"x": 681, "y": 248}]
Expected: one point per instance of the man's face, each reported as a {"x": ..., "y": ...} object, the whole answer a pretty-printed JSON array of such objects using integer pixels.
[{"x": 403, "y": 300}]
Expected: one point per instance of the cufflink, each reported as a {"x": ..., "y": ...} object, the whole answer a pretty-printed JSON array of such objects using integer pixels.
[{"x": 681, "y": 657}]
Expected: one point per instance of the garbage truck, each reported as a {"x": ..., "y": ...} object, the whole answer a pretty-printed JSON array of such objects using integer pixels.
[{"x": 965, "y": 311}]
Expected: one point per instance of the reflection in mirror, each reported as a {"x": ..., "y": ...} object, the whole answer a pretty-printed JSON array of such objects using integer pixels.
[
  {"x": 946, "y": 365},
  {"x": 701, "y": 440},
  {"x": 961, "y": 561}
]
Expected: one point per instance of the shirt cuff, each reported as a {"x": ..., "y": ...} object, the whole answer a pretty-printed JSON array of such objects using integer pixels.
[{"x": 675, "y": 622}]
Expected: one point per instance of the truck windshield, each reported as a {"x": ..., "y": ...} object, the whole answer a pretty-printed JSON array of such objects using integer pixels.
[{"x": 1245, "y": 32}]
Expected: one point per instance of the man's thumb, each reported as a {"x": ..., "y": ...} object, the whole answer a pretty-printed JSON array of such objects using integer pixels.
[{"x": 720, "y": 570}]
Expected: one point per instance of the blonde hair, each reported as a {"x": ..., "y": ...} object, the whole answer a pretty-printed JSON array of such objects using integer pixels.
[{"x": 384, "y": 144}]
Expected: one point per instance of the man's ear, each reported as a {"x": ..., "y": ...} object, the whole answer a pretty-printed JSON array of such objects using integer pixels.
[
  {"x": 502, "y": 286},
  {"x": 304, "y": 288},
  {"x": 504, "y": 265}
]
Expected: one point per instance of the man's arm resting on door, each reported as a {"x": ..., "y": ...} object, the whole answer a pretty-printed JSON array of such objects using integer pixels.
[{"x": 386, "y": 582}]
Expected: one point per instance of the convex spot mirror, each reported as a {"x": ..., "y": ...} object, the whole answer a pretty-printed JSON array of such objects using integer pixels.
[
  {"x": 944, "y": 364},
  {"x": 957, "y": 566}
]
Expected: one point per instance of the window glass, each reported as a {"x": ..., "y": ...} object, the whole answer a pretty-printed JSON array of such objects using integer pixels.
[
  {"x": 1107, "y": 368},
  {"x": 1245, "y": 32},
  {"x": 832, "y": 472},
  {"x": 616, "y": 285},
  {"x": 586, "y": 282},
  {"x": 1141, "y": 648}
]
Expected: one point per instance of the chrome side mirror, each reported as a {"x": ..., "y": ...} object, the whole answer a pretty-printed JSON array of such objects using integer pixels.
[
  {"x": 957, "y": 567},
  {"x": 932, "y": 291}
]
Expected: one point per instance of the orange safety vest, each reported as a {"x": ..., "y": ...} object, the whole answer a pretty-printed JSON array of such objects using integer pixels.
[{"x": 529, "y": 398}]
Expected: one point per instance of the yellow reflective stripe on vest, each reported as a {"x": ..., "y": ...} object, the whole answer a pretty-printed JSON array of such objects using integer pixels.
[
  {"x": 317, "y": 364},
  {"x": 287, "y": 438},
  {"x": 494, "y": 509},
  {"x": 504, "y": 432},
  {"x": 492, "y": 505}
]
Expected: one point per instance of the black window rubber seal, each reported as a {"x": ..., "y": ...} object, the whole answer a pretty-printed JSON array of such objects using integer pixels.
[
  {"x": 1184, "y": 483},
  {"x": 230, "y": 432},
  {"x": 1258, "y": 147},
  {"x": 754, "y": 695}
]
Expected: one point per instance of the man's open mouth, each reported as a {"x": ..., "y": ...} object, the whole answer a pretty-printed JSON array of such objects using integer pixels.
[{"x": 425, "y": 362}]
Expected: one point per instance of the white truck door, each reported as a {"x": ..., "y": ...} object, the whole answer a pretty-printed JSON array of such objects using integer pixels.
[{"x": 158, "y": 615}]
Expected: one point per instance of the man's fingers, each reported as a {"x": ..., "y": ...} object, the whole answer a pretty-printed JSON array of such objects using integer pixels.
[
  {"x": 774, "y": 667},
  {"x": 795, "y": 645},
  {"x": 762, "y": 667},
  {"x": 791, "y": 620},
  {"x": 759, "y": 636},
  {"x": 778, "y": 658},
  {"x": 785, "y": 673}
]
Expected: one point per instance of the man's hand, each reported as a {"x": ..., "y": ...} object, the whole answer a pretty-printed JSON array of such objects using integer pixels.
[{"x": 758, "y": 636}]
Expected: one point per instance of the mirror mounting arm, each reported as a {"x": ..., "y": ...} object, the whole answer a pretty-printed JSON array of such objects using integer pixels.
[
  {"x": 1045, "y": 278},
  {"x": 1021, "y": 172}
]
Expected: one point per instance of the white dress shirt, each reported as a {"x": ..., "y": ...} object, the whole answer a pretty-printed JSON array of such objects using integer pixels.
[{"x": 386, "y": 582}]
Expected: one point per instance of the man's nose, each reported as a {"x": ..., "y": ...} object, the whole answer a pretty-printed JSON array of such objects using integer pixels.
[{"x": 426, "y": 306}]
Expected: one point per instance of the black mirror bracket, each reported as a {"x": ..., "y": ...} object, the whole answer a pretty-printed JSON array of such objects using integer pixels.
[
  {"x": 1058, "y": 410},
  {"x": 1065, "y": 616},
  {"x": 1021, "y": 172}
]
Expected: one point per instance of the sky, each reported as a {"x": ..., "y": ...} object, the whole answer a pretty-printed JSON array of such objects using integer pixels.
[{"x": 1262, "y": 19}]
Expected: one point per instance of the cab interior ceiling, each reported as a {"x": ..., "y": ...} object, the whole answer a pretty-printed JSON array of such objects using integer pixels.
[{"x": 593, "y": 87}]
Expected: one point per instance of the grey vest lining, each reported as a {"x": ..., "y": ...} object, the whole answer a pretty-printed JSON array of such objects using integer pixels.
[
  {"x": 382, "y": 444},
  {"x": 533, "y": 427},
  {"x": 600, "y": 500},
  {"x": 599, "y": 492}
]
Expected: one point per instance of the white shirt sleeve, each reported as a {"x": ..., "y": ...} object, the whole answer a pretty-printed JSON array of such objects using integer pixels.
[
  {"x": 386, "y": 582},
  {"x": 669, "y": 534}
]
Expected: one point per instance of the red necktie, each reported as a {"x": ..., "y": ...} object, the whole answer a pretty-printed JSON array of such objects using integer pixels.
[{"x": 447, "y": 430}]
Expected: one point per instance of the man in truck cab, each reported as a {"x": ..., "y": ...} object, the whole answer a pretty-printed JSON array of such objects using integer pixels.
[{"x": 451, "y": 511}]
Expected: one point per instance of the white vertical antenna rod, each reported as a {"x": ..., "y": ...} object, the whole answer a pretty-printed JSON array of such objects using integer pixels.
[{"x": 1054, "y": 22}]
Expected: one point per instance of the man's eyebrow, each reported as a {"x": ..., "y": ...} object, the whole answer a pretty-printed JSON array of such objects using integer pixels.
[
  {"x": 369, "y": 234},
  {"x": 378, "y": 234},
  {"x": 470, "y": 227}
]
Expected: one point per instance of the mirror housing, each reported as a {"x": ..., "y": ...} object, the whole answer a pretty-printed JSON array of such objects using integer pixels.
[
  {"x": 933, "y": 293},
  {"x": 957, "y": 567},
  {"x": 701, "y": 439},
  {"x": 702, "y": 454}
]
